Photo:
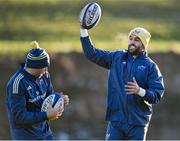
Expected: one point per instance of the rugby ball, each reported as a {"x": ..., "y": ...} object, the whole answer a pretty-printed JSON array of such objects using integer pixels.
[
  {"x": 90, "y": 15},
  {"x": 56, "y": 99}
]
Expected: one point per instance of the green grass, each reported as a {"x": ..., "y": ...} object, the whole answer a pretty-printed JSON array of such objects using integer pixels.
[
  {"x": 55, "y": 24},
  {"x": 20, "y": 48}
]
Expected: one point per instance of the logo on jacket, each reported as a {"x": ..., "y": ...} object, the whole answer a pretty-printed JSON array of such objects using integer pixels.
[
  {"x": 124, "y": 62},
  {"x": 37, "y": 92},
  {"x": 34, "y": 99},
  {"x": 141, "y": 67},
  {"x": 29, "y": 88}
]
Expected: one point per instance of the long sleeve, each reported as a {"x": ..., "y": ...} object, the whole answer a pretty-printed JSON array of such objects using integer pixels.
[
  {"x": 156, "y": 88},
  {"x": 50, "y": 89},
  {"x": 17, "y": 106},
  {"x": 100, "y": 57}
]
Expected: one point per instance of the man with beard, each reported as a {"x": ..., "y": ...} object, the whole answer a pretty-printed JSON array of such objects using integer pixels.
[{"x": 134, "y": 84}]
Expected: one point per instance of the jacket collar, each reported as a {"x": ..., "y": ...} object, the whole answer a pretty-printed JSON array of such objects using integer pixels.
[
  {"x": 140, "y": 56},
  {"x": 26, "y": 74}
]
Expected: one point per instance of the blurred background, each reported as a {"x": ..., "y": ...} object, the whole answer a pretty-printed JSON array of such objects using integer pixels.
[{"x": 55, "y": 25}]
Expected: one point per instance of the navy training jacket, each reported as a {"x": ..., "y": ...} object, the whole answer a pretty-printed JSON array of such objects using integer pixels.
[
  {"x": 25, "y": 95},
  {"x": 128, "y": 108}
]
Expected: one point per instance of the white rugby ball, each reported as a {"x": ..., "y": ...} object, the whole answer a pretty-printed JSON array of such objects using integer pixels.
[
  {"x": 56, "y": 99},
  {"x": 90, "y": 15}
]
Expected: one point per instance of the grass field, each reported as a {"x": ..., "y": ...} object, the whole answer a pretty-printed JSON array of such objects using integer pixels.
[{"x": 55, "y": 24}]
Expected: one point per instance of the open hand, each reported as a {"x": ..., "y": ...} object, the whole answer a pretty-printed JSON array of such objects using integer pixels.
[{"x": 132, "y": 87}]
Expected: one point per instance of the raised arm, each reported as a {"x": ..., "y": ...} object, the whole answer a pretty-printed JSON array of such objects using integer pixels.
[{"x": 100, "y": 57}]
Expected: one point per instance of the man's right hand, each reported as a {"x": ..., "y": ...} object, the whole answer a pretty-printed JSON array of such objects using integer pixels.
[
  {"x": 83, "y": 32},
  {"x": 53, "y": 113}
]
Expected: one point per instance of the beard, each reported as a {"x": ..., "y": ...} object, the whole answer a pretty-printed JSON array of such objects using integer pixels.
[{"x": 134, "y": 50}]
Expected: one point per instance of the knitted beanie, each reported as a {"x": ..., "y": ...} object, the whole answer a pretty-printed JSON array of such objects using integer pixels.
[
  {"x": 37, "y": 57},
  {"x": 143, "y": 34}
]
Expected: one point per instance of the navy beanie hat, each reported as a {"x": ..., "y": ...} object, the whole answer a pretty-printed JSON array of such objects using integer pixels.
[{"x": 37, "y": 57}]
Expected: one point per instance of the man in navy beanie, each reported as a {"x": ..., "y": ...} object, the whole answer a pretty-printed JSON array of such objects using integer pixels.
[{"x": 26, "y": 90}]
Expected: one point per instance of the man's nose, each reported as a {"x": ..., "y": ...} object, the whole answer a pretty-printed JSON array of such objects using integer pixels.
[{"x": 131, "y": 41}]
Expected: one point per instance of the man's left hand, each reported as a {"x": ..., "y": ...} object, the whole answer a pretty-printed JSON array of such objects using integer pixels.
[
  {"x": 65, "y": 98},
  {"x": 132, "y": 87}
]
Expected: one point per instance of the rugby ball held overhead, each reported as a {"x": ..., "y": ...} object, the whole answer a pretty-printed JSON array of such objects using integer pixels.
[{"x": 90, "y": 15}]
